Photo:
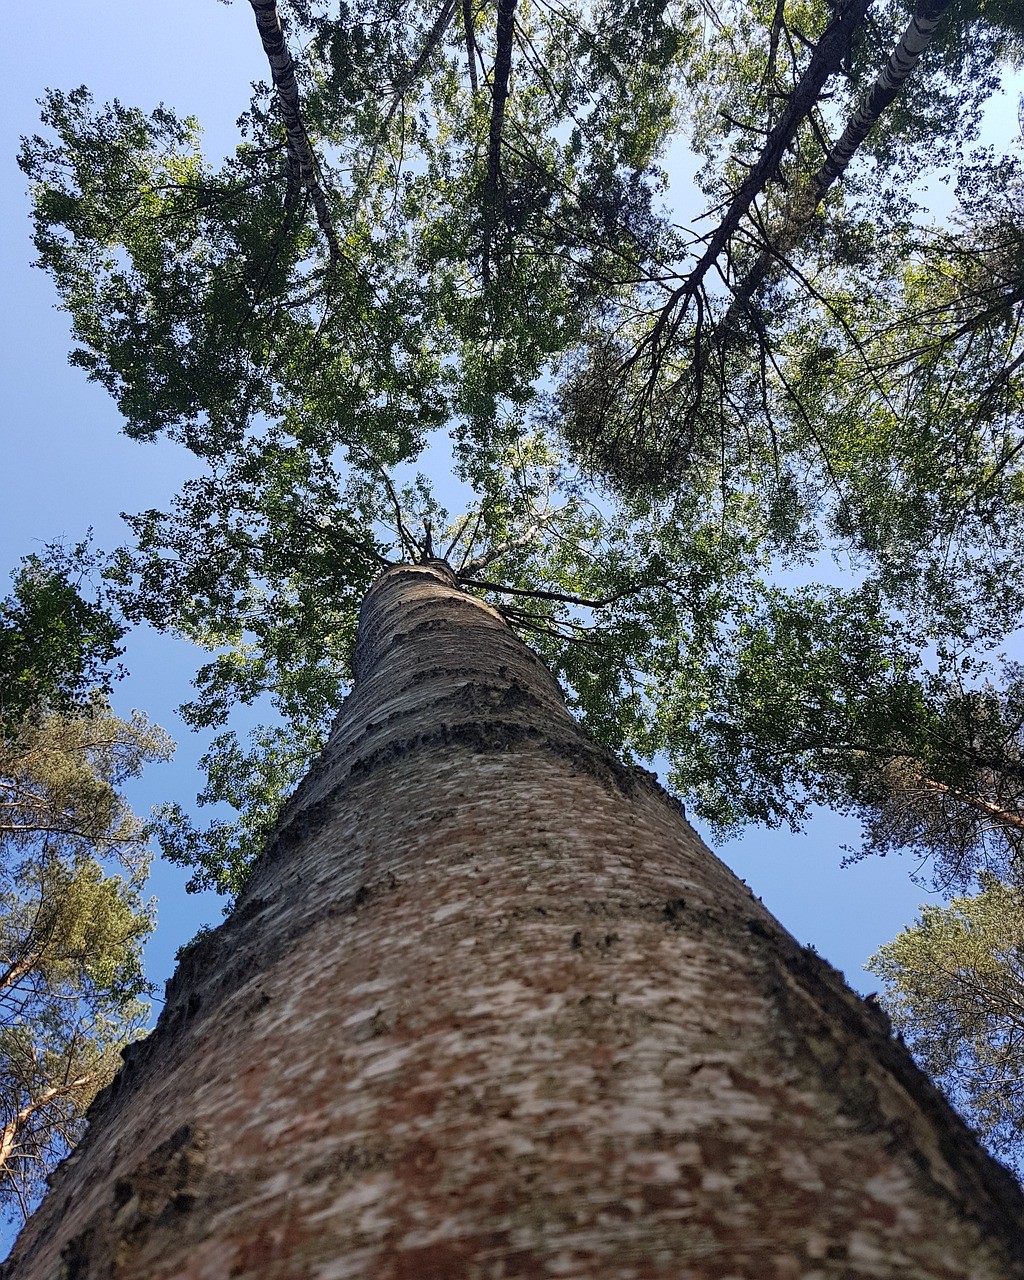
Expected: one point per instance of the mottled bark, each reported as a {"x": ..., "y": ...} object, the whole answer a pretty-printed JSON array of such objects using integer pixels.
[{"x": 489, "y": 1008}]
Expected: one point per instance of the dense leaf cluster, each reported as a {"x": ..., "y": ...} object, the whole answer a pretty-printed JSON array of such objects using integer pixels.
[
  {"x": 956, "y": 987},
  {"x": 54, "y": 643}
]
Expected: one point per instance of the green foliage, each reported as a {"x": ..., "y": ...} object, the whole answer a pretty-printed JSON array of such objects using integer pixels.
[
  {"x": 819, "y": 697},
  {"x": 955, "y": 991},
  {"x": 285, "y": 557},
  {"x": 205, "y": 299},
  {"x": 60, "y": 778},
  {"x": 196, "y": 940},
  {"x": 193, "y": 295},
  {"x": 50, "y": 1070},
  {"x": 253, "y": 784},
  {"x": 514, "y": 278},
  {"x": 55, "y": 645},
  {"x": 73, "y": 862}
]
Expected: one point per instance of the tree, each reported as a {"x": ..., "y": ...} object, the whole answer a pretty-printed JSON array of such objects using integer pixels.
[
  {"x": 299, "y": 361},
  {"x": 823, "y": 700},
  {"x": 55, "y": 646},
  {"x": 488, "y": 1006},
  {"x": 71, "y": 933},
  {"x": 671, "y": 380},
  {"x": 955, "y": 989},
  {"x": 433, "y": 223}
]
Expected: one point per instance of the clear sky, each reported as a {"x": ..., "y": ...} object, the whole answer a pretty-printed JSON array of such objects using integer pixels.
[{"x": 66, "y": 467}]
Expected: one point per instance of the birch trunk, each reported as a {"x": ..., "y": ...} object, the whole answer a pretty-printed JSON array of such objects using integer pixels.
[
  {"x": 303, "y": 169},
  {"x": 488, "y": 1008}
]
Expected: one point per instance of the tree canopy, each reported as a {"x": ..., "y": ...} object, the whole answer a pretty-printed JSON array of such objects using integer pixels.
[
  {"x": 956, "y": 987},
  {"x": 57, "y": 648},
  {"x": 741, "y": 456},
  {"x": 73, "y": 863}
]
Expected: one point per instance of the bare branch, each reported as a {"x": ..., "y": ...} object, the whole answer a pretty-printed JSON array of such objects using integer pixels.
[
  {"x": 825, "y": 61},
  {"x": 527, "y": 538}
]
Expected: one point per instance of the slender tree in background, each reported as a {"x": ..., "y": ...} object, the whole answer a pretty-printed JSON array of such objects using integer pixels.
[
  {"x": 454, "y": 218},
  {"x": 73, "y": 862},
  {"x": 956, "y": 989},
  {"x": 487, "y": 1006}
]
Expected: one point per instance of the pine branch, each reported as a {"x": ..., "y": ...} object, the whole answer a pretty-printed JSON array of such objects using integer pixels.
[{"x": 887, "y": 86}]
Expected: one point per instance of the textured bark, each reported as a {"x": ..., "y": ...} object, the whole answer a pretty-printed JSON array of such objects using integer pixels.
[
  {"x": 489, "y": 1008},
  {"x": 303, "y": 169}
]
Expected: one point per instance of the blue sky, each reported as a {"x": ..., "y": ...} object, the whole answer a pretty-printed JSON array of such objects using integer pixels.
[{"x": 67, "y": 468}]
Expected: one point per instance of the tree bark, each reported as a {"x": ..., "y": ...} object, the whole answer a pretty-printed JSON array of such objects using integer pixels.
[
  {"x": 303, "y": 169},
  {"x": 489, "y": 1008}
]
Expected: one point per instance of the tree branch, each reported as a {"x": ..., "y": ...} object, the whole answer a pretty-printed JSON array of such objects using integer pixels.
[
  {"x": 525, "y": 539},
  {"x": 999, "y": 815},
  {"x": 9, "y": 1133},
  {"x": 825, "y": 61},
  {"x": 883, "y": 92}
]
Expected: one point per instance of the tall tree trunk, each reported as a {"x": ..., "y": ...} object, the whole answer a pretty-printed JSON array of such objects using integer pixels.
[
  {"x": 825, "y": 62},
  {"x": 887, "y": 86},
  {"x": 303, "y": 167},
  {"x": 489, "y": 1008}
]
